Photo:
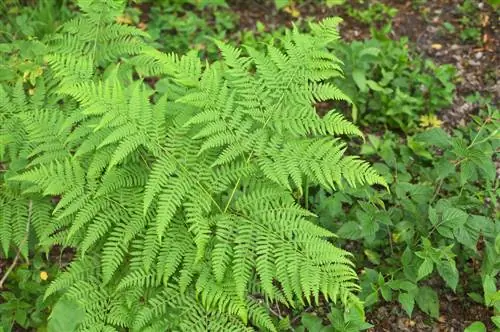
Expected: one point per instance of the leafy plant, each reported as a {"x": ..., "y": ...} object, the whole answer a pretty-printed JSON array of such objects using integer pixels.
[
  {"x": 181, "y": 202},
  {"x": 21, "y": 296},
  {"x": 374, "y": 12},
  {"x": 390, "y": 87},
  {"x": 351, "y": 321},
  {"x": 176, "y": 29},
  {"x": 441, "y": 210}
]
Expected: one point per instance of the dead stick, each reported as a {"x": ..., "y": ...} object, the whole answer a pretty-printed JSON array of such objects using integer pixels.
[{"x": 18, "y": 254}]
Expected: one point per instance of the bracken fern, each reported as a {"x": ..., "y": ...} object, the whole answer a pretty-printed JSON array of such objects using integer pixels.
[{"x": 182, "y": 205}]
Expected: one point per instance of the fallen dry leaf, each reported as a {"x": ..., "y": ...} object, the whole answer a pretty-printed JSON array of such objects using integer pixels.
[{"x": 485, "y": 19}]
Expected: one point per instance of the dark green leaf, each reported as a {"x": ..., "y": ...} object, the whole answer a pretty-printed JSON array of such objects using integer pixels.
[
  {"x": 313, "y": 323},
  {"x": 386, "y": 292},
  {"x": 350, "y": 230},
  {"x": 427, "y": 301},
  {"x": 452, "y": 219},
  {"x": 434, "y": 136},
  {"x": 476, "y": 297},
  {"x": 448, "y": 271}
]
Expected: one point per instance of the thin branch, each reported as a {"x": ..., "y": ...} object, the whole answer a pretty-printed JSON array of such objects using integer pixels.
[{"x": 18, "y": 254}]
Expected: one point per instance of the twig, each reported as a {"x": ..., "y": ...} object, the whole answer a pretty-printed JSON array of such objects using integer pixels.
[{"x": 18, "y": 254}]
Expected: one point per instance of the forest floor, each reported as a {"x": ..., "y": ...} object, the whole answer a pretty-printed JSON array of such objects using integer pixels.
[{"x": 478, "y": 66}]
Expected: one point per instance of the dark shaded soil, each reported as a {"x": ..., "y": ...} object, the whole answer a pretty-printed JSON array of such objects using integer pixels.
[
  {"x": 477, "y": 61},
  {"x": 456, "y": 315}
]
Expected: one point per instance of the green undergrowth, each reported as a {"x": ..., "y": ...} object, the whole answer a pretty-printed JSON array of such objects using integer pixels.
[{"x": 294, "y": 183}]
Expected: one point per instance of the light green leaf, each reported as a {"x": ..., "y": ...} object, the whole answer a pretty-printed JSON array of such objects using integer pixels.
[
  {"x": 425, "y": 268},
  {"x": 497, "y": 244},
  {"x": 373, "y": 256},
  {"x": 402, "y": 284},
  {"x": 476, "y": 327},
  {"x": 444, "y": 168},
  {"x": 467, "y": 171},
  {"x": 386, "y": 292},
  {"x": 374, "y": 86},
  {"x": 496, "y": 321},
  {"x": 360, "y": 79},
  {"x": 313, "y": 323},
  {"x": 434, "y": 136},
  {"x": 489, "y": 288},
  {"x": 407, "y": 301},
  {"x": 433, "y": 217},
  {"x": 332, "y": 3},
  {"x": 66, "y": 316},
  {"x": 281, "y": 3},
  {"x": 373, "y": 51}
]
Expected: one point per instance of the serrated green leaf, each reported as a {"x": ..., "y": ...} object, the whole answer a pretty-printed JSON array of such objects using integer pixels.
[
  {"x": 425, "y": 268},
  {"x": 402, "y": 284},
  {"x": 369, "y": 51},
  {"x": 427, "y": 301},
  {"x": 496, "y": 321},
  {"x": 467, "y": 171},
  {"x": 452, "y": 219},
  {"x": 407, "y": 301},
  {"x": 386, "y": 292},
  {"x": 444, "y": 168},
  {"x": 434, "y": 136},
  {"x": 433, "y": 217},
  {"x": 476, "y": 297},
  {"x": 313, "y": 323},
  {"x": 407, "y": 256},
  {"x": 371, "y": 299},
  {"x": 350, "y": 230},
  {"x": 448, "y": 271}
]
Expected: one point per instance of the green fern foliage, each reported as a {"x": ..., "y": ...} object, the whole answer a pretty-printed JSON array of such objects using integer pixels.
[{"x": 182, "y": 205}]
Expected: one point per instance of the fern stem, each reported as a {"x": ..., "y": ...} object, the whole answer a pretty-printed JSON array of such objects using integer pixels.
[
  {"x": 306, "y": 194},
  {"x": 197, "y": 182},
  {"x": 232, "y": 194},
  {"x": 278, "y": 104}
]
